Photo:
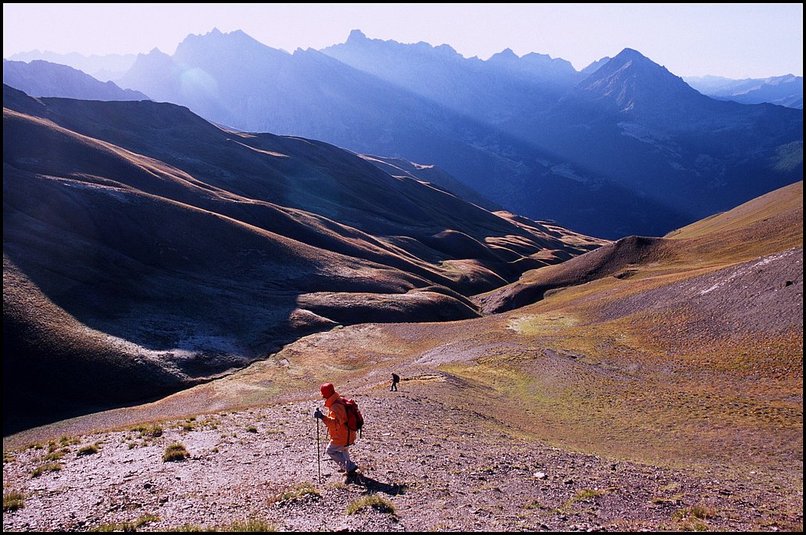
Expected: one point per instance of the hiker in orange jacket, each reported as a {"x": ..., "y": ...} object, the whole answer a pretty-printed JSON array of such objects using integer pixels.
[{"x": 336, "y": 422}]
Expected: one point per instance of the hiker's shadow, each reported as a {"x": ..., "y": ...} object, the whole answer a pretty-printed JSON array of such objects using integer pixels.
[{"x": 373, "y": 485}]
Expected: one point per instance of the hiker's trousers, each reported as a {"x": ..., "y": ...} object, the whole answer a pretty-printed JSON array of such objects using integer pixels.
[{"x": 341, "y": 454}]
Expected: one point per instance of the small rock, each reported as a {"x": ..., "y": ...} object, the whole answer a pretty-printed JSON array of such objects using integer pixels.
[
  {"x": 540, "y": 475},
  {"x": 568, "y": 481}
]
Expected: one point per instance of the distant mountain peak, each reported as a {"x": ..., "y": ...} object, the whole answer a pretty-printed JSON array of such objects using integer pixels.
[
  {"x": 628, "y": 60},
  {"x": 630, "y": 53},
  {"x": 195, "y": 47},
  {"x": 356, "y": 36},
  {"x": 506, "y": 54},
  {"x": 638, "y": 85}
]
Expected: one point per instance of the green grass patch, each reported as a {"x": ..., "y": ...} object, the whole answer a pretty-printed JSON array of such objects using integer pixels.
[
  {"x": 693, "y": 518},
  {"x": 54, "y": 456},
  {"x": 47, "y": 467},
  {"x": 541, "y": 324},
  {"x": 371, "y": 501},
  {"x": 534, "y": 504},
  {"x": 663, "y": 500},
  {"x": 583, "y": 495},
  {"x": 68, "y": 441},
  {"x": 251, "y": 525},
  {"x": 699, "y": 512},
  {"x": 239, "y": 526},
  {"x": 12, "y": 501},
  {"x": 175, "y": 452},
  {"x": 125, "y": 526},
  {"x": 89, "y": 449},
  {"x": 190, "y": 424},
  {"x": 297, "y": 492},
  {"x": 148, "y": 430},
  {"x": 587, "y": 494}
]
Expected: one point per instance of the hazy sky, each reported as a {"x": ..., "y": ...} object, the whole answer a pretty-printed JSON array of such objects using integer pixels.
[{"x": 734, "y": 40}]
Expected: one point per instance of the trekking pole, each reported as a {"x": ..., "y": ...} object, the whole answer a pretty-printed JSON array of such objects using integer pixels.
[{"x": 318, "y": 452}]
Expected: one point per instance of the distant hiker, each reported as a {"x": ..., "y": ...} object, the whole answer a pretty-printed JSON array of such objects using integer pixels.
[
  {"x": 395, "y": 380},
  {"x": 341, "y": 437}
]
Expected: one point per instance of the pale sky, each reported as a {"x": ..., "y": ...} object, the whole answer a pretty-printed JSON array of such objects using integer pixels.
[{"x": 732, "y": 40}]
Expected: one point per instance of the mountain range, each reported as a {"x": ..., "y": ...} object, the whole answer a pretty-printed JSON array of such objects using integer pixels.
[
  {"x": 106, "y": 67},
  {"x": 784, "y": 90},
  {"x": 622, "y": 147},
  {"x": 44, "y": 79}
]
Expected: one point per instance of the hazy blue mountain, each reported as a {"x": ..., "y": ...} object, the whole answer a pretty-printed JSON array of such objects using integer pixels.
[
  {"x": 106, "y": 68},
  {"x": 233, "y": 80},
  {"x": 629, "y": 149},
  {"x": 629, "y": 119},
  {"x": 492, "y": 90},
  {"x": 784, "y": 90},
  {"x": 45, "y": 79},
  {"x": 641, "y": 126}
]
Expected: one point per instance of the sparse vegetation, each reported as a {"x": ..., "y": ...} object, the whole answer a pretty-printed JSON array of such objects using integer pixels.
[
  {"x": 674, "y": 499},
  {"x": 695, "y": 511},
  {"x": 693, "y": 518},
  {"x": 175, "y": 452},
  {"x": 534, "y": 504},
  {"x": 252, "y": 429},
  {"x": 251, "y": 525},
  {"x": 47, "y": 467},
  {"x": 189, "y": 424},
  {"x": 240, "y": 526},
  {"x": 125, "y": 526},
  {"x": 150, "y": 430},
  {"x": 68, "y": 441},
  {"x": 582, "y": 495},
  {"x": 54, "y": 456},
  {"x": 12, "y": 501},
  {"x": 587, "y": 494},
  {"x": 89, "y": 449},
  {"x": 374, "y": 501},
  {"x": 298, "y": 492}
]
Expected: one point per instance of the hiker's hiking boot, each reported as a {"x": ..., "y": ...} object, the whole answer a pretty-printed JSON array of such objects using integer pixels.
[{"x": 351, "y": 476}]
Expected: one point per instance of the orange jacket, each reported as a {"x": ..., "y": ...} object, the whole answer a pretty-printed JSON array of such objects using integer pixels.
[{"x": 336, "y": 421}]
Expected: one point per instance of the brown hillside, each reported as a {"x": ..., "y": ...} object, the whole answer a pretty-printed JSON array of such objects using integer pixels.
[
  {"x": 196, "y": 250},
  {"x": 770, "y": 224},
  {"x": 667, "y": 397}
]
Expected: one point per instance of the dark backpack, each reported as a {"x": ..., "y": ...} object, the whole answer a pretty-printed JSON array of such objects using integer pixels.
[{"x": 355, "y": 421}]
